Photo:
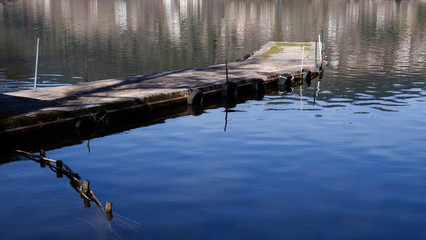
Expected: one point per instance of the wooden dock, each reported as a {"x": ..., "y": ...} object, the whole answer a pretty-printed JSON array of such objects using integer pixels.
[{"x": 27, "y": 111}]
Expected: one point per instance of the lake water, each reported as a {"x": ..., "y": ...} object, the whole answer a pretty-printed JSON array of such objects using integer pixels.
[{"x": 342, "y": 159}]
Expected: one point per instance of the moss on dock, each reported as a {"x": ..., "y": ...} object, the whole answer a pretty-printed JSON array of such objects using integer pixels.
[
  {"x": 279, "y": 47},
  {"x": 273, "y": 50}
]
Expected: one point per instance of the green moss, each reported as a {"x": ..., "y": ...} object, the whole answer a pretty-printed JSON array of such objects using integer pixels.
[
  {"x": 278, "y": 48},
  {"x": 273, "y": 50},
  {"x": 289, "y": 44}
]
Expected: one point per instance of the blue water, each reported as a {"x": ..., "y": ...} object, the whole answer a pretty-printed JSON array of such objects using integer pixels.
[
  {"x": 344, "y": 158},
  {"x": 284, "y": 168}
]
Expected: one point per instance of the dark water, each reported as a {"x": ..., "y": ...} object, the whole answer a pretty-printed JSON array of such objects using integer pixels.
[{"x": 342, "y": 159}]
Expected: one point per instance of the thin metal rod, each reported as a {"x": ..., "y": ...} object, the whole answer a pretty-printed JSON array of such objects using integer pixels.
[
  {"x": 36, "y": 66},
  {"x": 303, "y": 56},
  {"x": 320, "y": 48},
  {"x": 316, "y": 50}
]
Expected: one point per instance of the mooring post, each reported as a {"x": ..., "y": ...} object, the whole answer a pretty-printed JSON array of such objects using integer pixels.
[
  {"x": 86, "y": 187},
  {"x": 41, "y": 158},
  {"x": 86, "y": 203},
  {"x": 36, "y": 65},
  {"x": 108, "y": 210},
  {"x": 59, "y": 171},
  {"x": 108, "y": 207}
]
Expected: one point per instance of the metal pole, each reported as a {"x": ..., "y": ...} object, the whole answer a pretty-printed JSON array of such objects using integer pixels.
[
  {"x": 319, "y": 41},
  {"x": 303, "y": 55},
  {"x": 36, "y": 65},
  {"x": 316, "y": 47}
]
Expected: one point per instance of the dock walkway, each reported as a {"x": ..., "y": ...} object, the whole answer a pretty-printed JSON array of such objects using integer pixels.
[{"x": 31, "y": 107}]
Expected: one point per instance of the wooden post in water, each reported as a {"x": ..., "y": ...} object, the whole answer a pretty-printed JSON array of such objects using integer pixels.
[
  {"x": 86, "y": 187},
  {"x": 108, "y": 210},
  {"x": 86, "y": 203},
  {"x": 36, "y": 65},
  {"x": 42, "y": 155},
  {"x": 85, "y": 190},
  {"x": 59, "y": 165}
]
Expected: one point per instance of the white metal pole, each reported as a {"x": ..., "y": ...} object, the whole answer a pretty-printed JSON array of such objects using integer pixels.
[
  {"x": 36, "y": 66},
  {"x": 303, "y": 56},
  {"x": 320, "y": 47}
]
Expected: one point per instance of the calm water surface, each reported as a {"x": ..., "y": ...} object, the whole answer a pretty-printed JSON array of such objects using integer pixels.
[{"x": 342, "y": 159}]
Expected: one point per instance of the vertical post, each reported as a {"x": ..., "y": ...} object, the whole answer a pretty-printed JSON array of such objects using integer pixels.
[
  {"x": 86, "y": 187},
  {"x": 59, "y": 165},
  {"x": 36, "y": 65},
  {"x": 301, "y": 97},
  {"x": 86, "y": 203},
  {"x": 303, "y": 55},
  {"x": 323, "y": 40},
  {"x": 316, "y": 47},
  {"x": 108, "y": 210},
  {"x": 320, "y": 49},
  {"x": 41, "y": 158},
  {"x": 226, "y": 66}
]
